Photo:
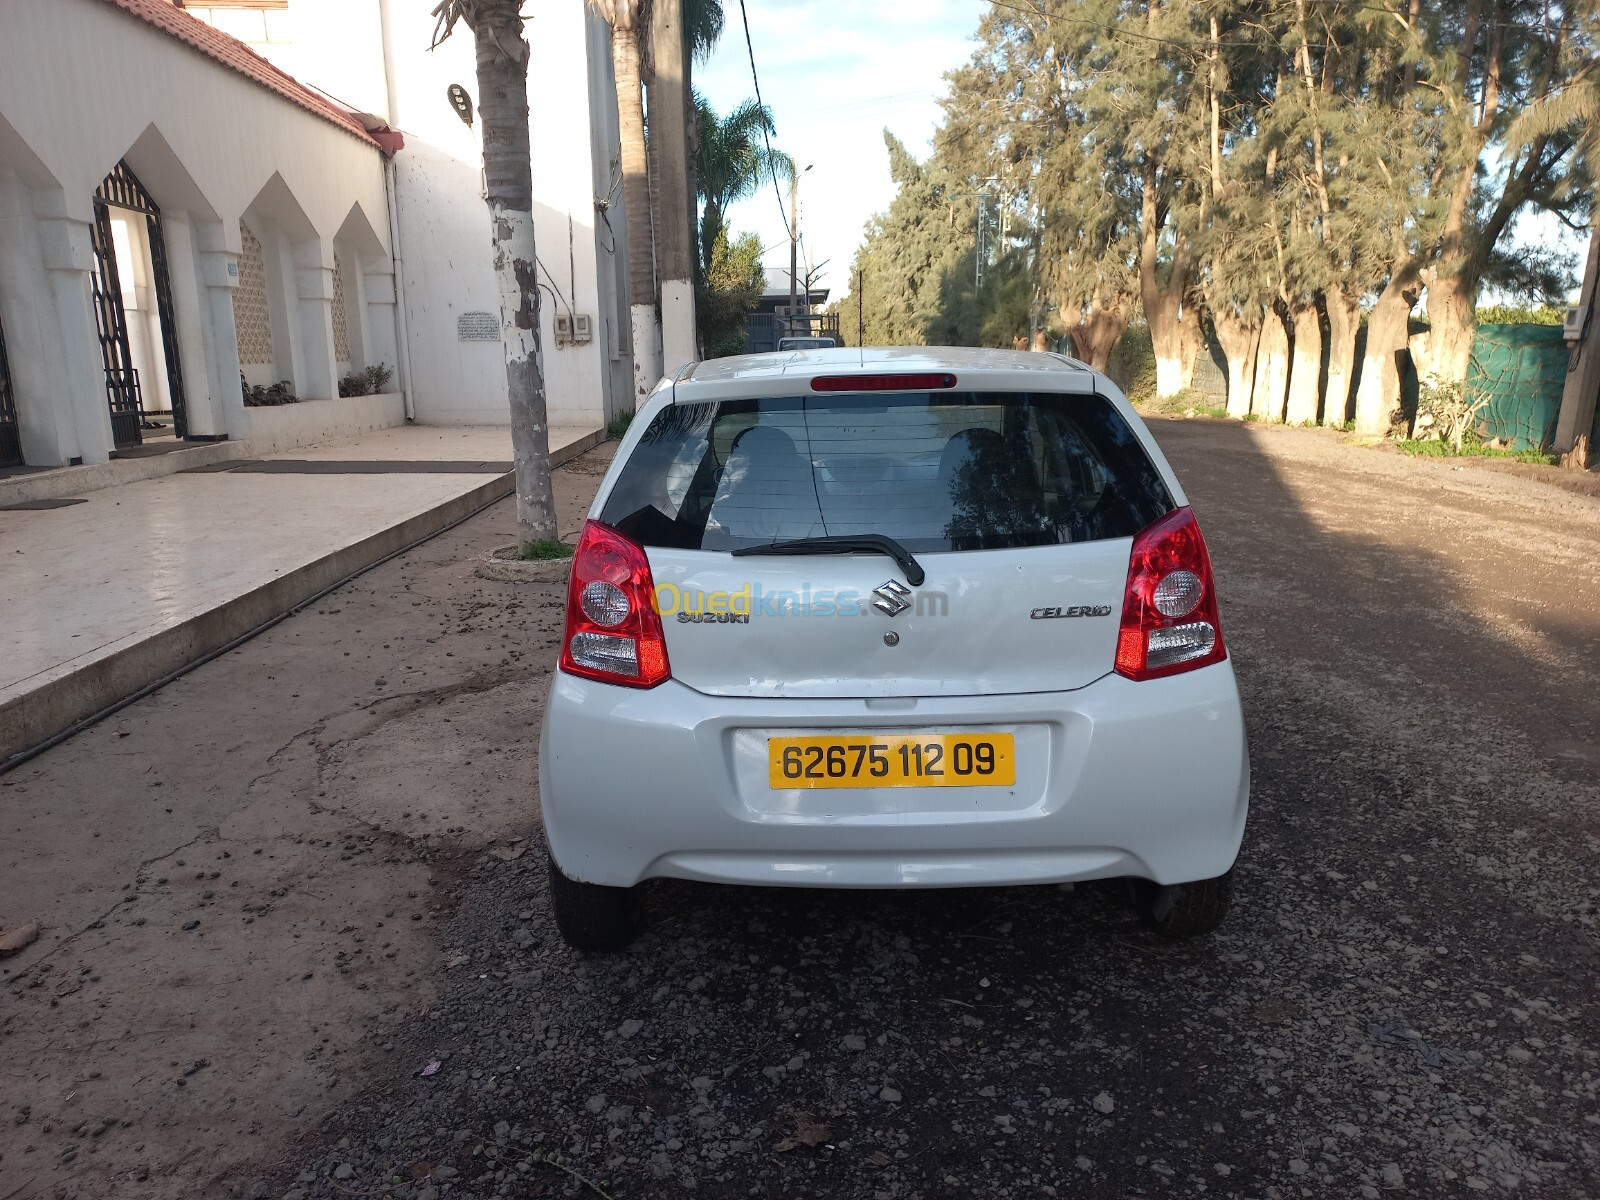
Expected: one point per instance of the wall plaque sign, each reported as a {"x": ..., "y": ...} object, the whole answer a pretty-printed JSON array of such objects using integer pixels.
[{"x": 478, "y": 327}]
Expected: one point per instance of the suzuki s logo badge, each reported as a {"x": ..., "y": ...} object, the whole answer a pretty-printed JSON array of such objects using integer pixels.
[
  {"x": 1077, "y": 610},
  {"x": 891, "y": 598}
]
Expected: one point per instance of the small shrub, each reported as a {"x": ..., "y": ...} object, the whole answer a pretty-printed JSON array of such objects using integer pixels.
[
  {"x": 544, "y": 551},
  {"x": 370, "y": 381},
  {"x": 259, "y": 395},
  {"x": 618, "y": 425},
  {"x": 1447, "y": 412}
]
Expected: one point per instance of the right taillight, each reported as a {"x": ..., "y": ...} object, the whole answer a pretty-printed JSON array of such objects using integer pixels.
[
  {"x": 613, "y": 629},
  {"x": 1169, "y": 611}
]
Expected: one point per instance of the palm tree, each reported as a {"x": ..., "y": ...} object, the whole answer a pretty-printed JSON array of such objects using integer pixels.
[
  {"x": 702, "y": 28},
  {"x": 502, "y": 55},
  {"x": 734, "y": 161},
  {"x": 630, "y": 31}
]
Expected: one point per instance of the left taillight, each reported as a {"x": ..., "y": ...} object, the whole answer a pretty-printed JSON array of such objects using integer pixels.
[
  {"x": 613, "y": 629},
  {"x": 1169, "y": 610}
]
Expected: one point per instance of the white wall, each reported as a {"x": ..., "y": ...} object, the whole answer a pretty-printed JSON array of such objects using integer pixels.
[
  {"x": 444, "y": 224},
  {"x": 84, "y": 84}
]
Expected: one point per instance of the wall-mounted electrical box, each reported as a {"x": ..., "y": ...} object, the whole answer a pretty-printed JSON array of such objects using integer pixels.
[
  {"x": 1572, "y": 327},
  {"x": 573, "y": 329}
]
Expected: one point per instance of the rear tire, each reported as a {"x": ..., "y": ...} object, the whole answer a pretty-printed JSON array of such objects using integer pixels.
[
  {"x": 1183, "y": 910},
  {"x": 592, "y": 917}
]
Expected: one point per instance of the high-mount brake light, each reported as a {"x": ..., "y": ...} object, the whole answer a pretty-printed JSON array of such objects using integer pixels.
[
  {"x": 1169, "y": 611},
  {"x": 923, "y": 382},
  {"x": 613, "y": 629}
]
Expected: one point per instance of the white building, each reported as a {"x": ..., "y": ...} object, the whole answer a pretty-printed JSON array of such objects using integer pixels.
[{"x": 177, "y": 211}]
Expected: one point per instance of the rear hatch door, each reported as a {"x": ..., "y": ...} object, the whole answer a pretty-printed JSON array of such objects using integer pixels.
[{"x": 1019, "y": 508}]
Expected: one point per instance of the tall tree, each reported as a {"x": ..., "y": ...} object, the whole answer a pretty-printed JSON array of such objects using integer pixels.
[
  {"x": 734, "y": 161},
  {"x": 630, "y": 29},
  {"x": 669, "y": 164},
  {"x": 1490, "y": 60},
  {"x": 502, "y": 59},
  {"x": 702, "y": 29},
  {"x": 924, "y": 236}
]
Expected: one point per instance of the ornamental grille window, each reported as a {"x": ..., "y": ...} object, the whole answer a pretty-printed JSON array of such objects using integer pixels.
[
  {"x": 251, "y": 324},
  {"x": 341, "y": 329}
]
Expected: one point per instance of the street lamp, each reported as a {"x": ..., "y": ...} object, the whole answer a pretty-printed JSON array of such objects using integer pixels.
[{"x": 794, "y": 243}]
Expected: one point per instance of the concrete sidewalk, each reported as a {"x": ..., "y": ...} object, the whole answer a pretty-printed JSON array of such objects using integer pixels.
[{"x": 106, "y": 594}]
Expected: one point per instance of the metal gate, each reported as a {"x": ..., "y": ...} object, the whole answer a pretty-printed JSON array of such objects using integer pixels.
[
  {"x": 10, "y": 439},
  {"x": 122, "y": 189}
]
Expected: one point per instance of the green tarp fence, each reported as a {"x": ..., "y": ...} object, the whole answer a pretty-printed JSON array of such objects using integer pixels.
[{"x": 1521, "y": 369}]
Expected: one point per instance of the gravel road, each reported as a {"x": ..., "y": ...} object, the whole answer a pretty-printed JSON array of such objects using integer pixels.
[{"x": 1402, "y": 1003}]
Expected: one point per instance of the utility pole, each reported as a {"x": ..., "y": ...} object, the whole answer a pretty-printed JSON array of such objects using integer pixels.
[
  {"x": 794, "y": 245},
  {"x": 861, "y": 307},
  {"x": 1578, "y": 398},
  {"x": 673, "y": 237}
]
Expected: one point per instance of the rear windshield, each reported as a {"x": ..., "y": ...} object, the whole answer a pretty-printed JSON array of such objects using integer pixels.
[{"x": 935, "y": 471}]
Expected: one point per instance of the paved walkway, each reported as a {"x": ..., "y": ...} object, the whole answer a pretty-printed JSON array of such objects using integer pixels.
[{"x": 111, "y": 591}]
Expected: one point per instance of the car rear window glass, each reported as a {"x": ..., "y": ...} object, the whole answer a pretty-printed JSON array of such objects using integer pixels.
[{"x": 935, "y": 471}]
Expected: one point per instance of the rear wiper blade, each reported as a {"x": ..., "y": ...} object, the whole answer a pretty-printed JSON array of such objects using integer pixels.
[{"x": 845, "y": 543}]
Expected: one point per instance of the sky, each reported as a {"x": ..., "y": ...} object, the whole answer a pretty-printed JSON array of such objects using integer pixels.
[{"x": 835, "y": 74}]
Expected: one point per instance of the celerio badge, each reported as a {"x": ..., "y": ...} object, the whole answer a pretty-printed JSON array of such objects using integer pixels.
[{"x": 1076, "y": 610}]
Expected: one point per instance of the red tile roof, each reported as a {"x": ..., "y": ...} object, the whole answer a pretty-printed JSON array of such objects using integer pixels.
[{"x": 236, "y": 56}]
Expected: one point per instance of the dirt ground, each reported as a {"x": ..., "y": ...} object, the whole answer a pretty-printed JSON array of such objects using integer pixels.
[{"x": 1402, "y": 1002}]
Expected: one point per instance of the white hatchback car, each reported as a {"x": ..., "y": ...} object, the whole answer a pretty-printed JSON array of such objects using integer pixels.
[{"x": 891, "y": 618}]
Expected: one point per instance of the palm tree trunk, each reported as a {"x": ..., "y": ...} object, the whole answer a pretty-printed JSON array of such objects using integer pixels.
[
  {"x": 643, "y": 320},
  {"x": 502, "y": 56}
]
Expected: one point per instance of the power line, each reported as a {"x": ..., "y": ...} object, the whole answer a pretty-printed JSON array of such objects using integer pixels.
[{"x": 772, "y": 166}]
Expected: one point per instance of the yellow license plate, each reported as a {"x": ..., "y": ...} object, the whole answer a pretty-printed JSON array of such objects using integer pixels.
[{"x": 868, "y": 761}]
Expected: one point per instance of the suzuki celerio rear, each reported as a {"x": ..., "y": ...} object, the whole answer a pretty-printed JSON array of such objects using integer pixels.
[{"x": 887, "y": 618}]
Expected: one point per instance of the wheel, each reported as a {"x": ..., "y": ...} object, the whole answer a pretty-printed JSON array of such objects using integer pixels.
[
  {"x": 1183, "y": 910},
  {"x": 591, "y": 916}
]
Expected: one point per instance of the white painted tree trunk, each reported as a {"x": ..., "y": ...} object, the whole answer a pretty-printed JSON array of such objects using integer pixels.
[
  {"x": 1272, "y": 369},
  {"x": 677, "y": 325},
  {"x": 1169, "y": 377},
  {"x": 519, "y": 333},
  {"x": 646, "y": 354},
  {"x": 1305, "y": 370}
]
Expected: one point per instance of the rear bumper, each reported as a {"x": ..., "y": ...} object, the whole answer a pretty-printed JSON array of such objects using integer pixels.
[{"x": 1144, "y": 779}]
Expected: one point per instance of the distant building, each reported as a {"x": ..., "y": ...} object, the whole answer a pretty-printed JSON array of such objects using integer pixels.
[
  {"x": 282, "y": 190},
  {"x": 773, "y": 317}
]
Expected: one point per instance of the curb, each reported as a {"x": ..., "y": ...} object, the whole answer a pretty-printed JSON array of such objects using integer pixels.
[{"x": 60, "y": 707}]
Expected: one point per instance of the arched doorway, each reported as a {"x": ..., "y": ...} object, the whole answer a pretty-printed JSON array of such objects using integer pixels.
[
  {"x": 130, "y": 259},
  {"x": 10, "y": 434}
]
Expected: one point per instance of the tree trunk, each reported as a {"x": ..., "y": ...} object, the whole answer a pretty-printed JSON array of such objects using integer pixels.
[
  {"x": 1095, "y": 331},
  {"x": 1239, "y": 337},
  {"x": 668, "y": 135},
  {"x": 508, "y": 184},
  {"x": 1344, "y": 324},
  {"x": 1452, "y": 317},
  {"x": 1174, "y": 330},
  {"x": 1305, "y": 370},
  {"x": 1378, "y": 394},
  {"x": 636, "y": 198},
  {"x": 1270, "y": 392}
]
